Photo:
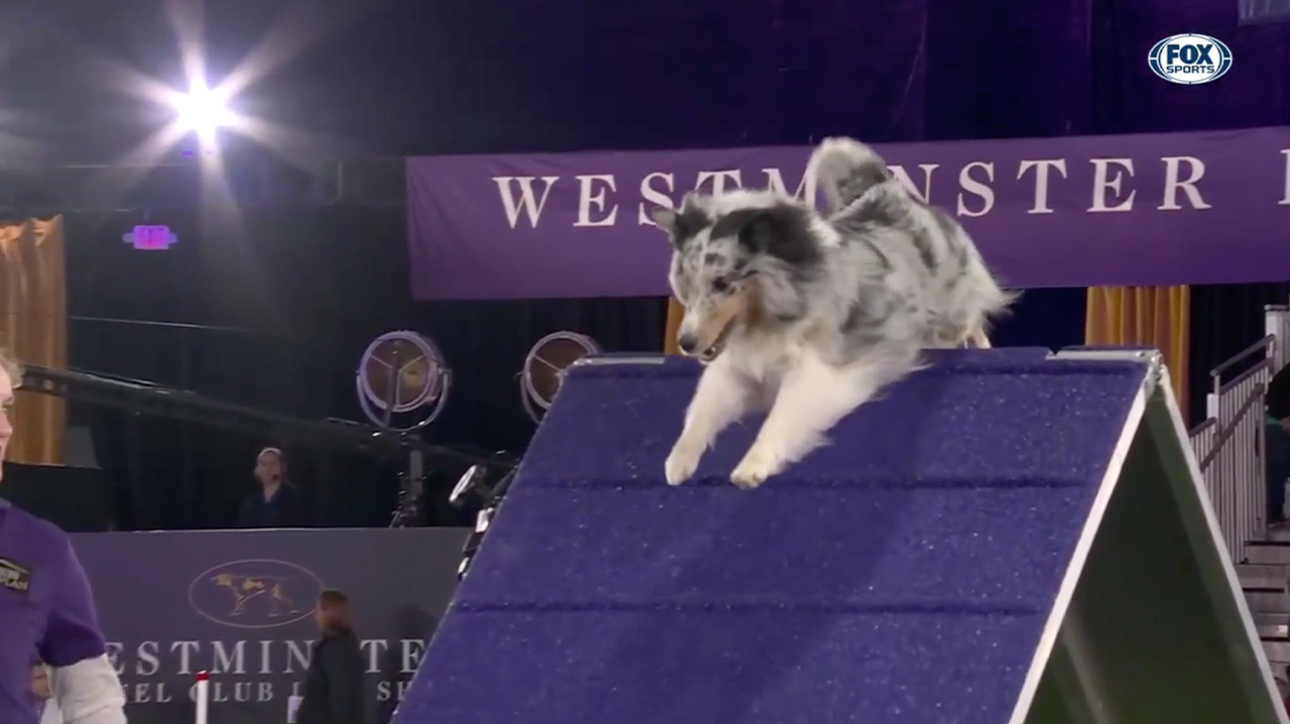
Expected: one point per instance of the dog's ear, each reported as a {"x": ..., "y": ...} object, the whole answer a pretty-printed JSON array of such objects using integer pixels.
[
  {"x": 782, "y": 231},
  {"x": 681, "y": 223},
  {"x": 665, "y": 219}
]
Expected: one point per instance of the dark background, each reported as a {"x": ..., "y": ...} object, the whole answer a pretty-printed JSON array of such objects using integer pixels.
[{"x": 307, "y": 277}]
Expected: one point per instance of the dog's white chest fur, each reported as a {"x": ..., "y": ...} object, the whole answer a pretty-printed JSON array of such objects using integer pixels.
[
  {"x": 804, "y": 394},
  {"x": 763, "y": 362}
]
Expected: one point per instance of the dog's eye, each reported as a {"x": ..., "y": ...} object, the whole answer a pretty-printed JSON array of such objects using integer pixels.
[{"x": 720, "y": 284}]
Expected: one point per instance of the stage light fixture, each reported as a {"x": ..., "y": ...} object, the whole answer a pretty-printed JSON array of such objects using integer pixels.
[
  {"x": 546, "y": 365},
  {"x": 203, "y": 109}
]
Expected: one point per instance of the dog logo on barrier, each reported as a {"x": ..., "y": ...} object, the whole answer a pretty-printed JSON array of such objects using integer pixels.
[
  {"x": 1190, "y": 59},
  {"x": 255, "y": 593}
]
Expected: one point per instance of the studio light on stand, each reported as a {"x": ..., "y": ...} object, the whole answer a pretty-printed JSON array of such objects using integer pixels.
[
  {"x": 545, "y": 367},
  {"x": 474, "y": 483},
  {"x": 402, "y": 383}
]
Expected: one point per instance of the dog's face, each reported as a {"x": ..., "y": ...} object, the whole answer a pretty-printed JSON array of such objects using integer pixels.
[
  {"x": 710, "y": 273},
  {"x": 721, "y": 246}
]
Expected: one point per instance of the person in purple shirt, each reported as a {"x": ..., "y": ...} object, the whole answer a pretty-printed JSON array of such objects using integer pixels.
[{"x": 46, "y": 608}]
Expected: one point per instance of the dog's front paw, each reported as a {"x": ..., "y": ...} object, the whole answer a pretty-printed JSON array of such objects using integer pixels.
[
  {"x": 756, "y": 466},
  {"x": 682, "y": 462}
]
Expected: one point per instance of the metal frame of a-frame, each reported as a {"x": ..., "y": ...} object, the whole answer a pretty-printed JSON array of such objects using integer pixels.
[{"x": 1149, "y": 624}]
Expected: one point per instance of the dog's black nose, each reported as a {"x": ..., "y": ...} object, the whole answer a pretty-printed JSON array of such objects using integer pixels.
[{"x": 688, "y": 343}]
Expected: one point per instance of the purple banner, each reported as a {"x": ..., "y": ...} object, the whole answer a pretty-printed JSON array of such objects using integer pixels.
[
  {"x": 239, "y": 605},
  {"x": 1180, "y": 208}
]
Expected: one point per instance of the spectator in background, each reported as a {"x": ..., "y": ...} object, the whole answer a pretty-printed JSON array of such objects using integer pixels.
[
  {"x": 333, "y": 689},
  {"x": 1277, "y": 403},
  {"x": 278, "y": 503},
  {"x": 46, "y": 607}
]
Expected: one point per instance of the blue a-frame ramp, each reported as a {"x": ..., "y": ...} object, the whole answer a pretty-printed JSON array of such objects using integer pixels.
[{"x": 1008, "y": 536}]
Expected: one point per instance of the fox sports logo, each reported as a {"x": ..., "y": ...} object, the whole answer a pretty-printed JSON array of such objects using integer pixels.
[{"x": 1190, "y": 59}]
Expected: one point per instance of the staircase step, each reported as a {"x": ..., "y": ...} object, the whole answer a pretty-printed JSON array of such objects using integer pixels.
[
  {"x": 1262, "y": 619},
  {"x": 1278, "y": 652},
  {"x": 1268, "y": 553},
  {"x": 1254, "y": 570},
  {"x": 1274, "y": 631},
  {"x": 1268, "y": 601},
  {"x": 1265, "y": 578}
]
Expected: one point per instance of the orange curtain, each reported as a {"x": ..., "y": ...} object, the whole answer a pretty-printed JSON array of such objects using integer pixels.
[
  {"x": 1149, "y": 316},
  {"x": 33, "y": 327},
  {"x": 674, "y": 313}
]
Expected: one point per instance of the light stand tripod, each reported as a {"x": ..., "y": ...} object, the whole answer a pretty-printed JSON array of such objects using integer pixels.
[
  {"x": 412, "y": 479},
  {"x": 411, "y": 488}
]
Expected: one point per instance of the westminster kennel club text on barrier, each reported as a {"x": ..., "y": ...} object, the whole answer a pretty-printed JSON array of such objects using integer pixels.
[
  {"x": 1110, "y": 185},
  {"x": 250, "y": 671}
]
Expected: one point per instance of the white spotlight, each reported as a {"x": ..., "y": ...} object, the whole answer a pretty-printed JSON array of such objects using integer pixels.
[{"x": 203, "y": 110}]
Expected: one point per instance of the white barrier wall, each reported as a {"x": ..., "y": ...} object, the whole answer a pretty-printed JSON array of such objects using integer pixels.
[{"x": 1277, "y": 322}]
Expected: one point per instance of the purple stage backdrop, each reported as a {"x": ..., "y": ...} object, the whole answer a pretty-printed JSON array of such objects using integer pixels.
[
  {"x": 1179, "y": 208},
  {"x": 239, "y": 605}
]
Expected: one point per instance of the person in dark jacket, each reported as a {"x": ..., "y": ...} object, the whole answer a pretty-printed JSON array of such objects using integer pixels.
[
  {"x": 1277, "y": 404},
  {"x": 278, "y": 503},
  {"x": 333, "y": 689}
]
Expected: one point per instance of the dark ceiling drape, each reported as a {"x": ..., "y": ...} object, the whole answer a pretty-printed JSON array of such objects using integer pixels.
[
  {"x": 299, "y": 292},
  {"x": 274, "y": 313}
]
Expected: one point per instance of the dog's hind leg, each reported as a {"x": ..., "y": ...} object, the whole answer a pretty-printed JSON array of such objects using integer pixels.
[
  {"x": 721, "y": 397},
  {"x": 812, "y": 399}
]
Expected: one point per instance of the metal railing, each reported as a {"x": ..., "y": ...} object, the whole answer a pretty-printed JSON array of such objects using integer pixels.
[
  {"x": 1203, "y": 437},
  {"x": 1230, "y": 446}
]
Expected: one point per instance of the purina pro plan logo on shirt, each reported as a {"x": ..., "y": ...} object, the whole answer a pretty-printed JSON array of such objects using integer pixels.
[{"x": 14, "y": 576}]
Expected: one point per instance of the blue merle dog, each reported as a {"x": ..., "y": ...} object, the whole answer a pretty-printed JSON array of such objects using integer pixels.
[{"x": 808, "y": 314}]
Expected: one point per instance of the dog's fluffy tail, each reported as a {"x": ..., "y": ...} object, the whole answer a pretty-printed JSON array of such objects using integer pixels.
[{"x": 844, "y": 169}]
